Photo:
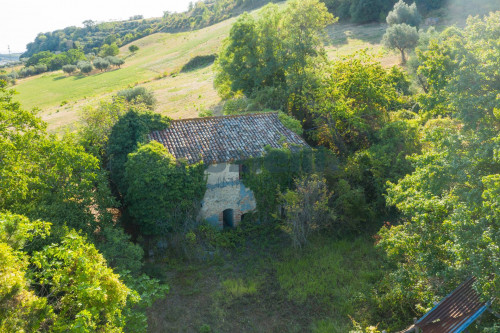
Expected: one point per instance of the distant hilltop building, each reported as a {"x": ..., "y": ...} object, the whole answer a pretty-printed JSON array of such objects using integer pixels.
[{"x": 220, "y": 142}]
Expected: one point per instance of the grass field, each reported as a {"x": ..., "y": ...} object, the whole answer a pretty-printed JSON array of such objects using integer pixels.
[{"x": 182, "y": 95}]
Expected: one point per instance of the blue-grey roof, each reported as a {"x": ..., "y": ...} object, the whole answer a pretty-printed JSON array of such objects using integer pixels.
[{"x": 455, "y": 312}]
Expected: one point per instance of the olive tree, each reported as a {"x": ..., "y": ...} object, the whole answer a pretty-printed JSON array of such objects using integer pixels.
[
  {"x": 401, "y": 37},
  {"x": 101, "y": 64},
  {"x": 69, "y": 69},
  {"x": 403, "y": 13}
]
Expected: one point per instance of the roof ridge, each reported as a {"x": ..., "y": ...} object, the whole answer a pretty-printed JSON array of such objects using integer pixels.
[{"x": 227, "y": 116}]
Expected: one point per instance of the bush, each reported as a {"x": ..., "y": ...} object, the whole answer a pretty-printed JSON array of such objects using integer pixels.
[
  {"x": 133, "y": 48},
  {"x": 306, "y": 208},
  {"x": 236, "y": 105},
  {"x": 69, "y": 69},
  {"x": 85, "y": 67},
  {"x": 40, "y": 68},
  {"x": 198, "y": 62},
  {"x": 138, "y": 95}
]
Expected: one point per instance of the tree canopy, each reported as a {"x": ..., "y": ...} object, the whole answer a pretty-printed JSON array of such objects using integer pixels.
[{"x": 450, "y": 227}]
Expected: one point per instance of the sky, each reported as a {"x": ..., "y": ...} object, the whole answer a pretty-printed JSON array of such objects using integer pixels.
[{"x": 22, "y": 20}]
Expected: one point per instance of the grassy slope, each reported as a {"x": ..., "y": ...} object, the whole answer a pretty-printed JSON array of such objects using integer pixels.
[{"x": 61, "y": 97}]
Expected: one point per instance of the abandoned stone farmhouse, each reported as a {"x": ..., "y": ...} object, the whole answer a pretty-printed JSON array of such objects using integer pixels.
[{"x": 221, "y": 142}]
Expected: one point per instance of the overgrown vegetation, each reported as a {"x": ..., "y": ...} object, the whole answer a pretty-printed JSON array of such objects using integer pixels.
[{"x": 394, "y": 205}]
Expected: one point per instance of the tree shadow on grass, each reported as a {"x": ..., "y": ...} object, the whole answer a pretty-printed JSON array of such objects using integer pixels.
[{"x": 59, "y": 78}]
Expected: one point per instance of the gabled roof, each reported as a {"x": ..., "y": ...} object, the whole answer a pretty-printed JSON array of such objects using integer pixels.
[
  {"x": 227, "y": 138},
  {"x": 455, "y": 312}
]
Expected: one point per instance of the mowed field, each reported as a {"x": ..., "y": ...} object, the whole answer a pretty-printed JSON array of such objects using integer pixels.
[{"x": 157, "y": 65}]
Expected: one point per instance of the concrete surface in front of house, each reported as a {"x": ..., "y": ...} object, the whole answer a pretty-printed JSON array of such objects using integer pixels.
[{"x": 226, "y": 198}]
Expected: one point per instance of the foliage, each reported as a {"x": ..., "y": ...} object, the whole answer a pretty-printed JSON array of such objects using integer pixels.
[
  {"x": 450, "y": 227},
  {"x": 62, "y": 283},
  {"x": 133, "y": 48},
  {"x": 359, "y": 329},
  {"x": 115, "y": 61},
  {"x": 353, "y": 102},
  {"x": 63, "y": 287},
  {"x": 276, "y": 171},
  {"x": 101, "y": 63},
  {"x": 62, "y": 270},
  {"x": 198, "y": 62},
  {"x": 20, "y": 308},
  {"x": 401, "y": 37},
  {"x": 291, "y": 123},
  {"x": 273, "y": 55},
  {"x": 95, "y": 37},
  {"x": 109, "y": 50},
  {"x": 138, "y": 95},
  {"x": 149, "y": 291},
  {"x": 161, "y": 191},
  {"x": 130, "y": 130},
  {"x": 306, "y": 208},
  {"x": 97, "y": 123},
  {"x": 403, "y": 13},
  {"x": 362, "y": 11},
  {"x": 85, "y": 67},
  {"x": 69, "y": 69}
]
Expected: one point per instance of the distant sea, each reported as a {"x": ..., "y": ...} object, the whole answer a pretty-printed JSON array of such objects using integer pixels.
[{"x": 6, "y": 58}]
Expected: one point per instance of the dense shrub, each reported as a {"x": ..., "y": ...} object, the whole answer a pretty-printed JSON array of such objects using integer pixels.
[
  {"x": 138, "y": 95},
  {"x": 69, "y": 69},
  {"x": 198, "y": 62},
  {"x": 85, "y": 67}
]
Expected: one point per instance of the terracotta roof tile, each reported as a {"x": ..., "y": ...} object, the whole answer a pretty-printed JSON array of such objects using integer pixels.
[{"x": 225, "y": 139}]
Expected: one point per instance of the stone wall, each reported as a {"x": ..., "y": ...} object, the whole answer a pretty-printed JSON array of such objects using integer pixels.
[{"x": 225, "y": 191}]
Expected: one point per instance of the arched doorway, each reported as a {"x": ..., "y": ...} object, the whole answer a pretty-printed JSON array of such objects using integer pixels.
[{"x": 228, "y": 218}]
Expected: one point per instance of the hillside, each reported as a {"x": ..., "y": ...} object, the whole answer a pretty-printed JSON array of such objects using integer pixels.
[{"x": 181, "y": 95}]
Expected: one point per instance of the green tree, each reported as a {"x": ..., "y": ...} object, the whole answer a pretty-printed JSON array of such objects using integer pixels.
[
  {"x": 450, "y": 228},
  {"x": 160, "y": 190},
  {"x": 74, "y": 56},
  {"x": 353, "y": 102},
  {"x": 85, "y": 67},
  {"x": 115, "y": 61},
  {"x": 130, "y": 130},
  {"x": 133, "y": 48},
  {"x": 101, "y": 64},
  {"x": 401, "y": 37},
  {"x": 69, "y": 69},
  {"x": 72, "y": 286},
  {"x": 269, "y": 59},
  {"x": 403, "y": 13},
  {"x": 97, "y": 123},
  {"x": 109, "y": 50}
]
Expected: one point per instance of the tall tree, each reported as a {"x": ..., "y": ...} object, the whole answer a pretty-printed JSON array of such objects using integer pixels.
[
  {"x": 401, "y": 37},
  {"x": 270, "y": 59},
  {"x": 451, "y": 228}
]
